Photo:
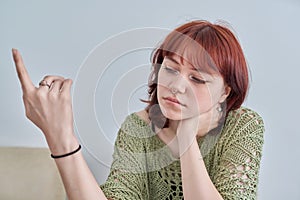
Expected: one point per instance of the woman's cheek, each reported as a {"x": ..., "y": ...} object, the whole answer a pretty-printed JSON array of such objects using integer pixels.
[{"x": 202, "y": 102}]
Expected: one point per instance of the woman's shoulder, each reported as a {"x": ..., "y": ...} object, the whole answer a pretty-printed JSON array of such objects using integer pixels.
[
  {"x": 243, "y": 127},
  {"x": 143, "y": 115},
  {"x": 243, "y": 121},
  {"x": 137, "y": 124},
  {"x": 139, "y": 117},
  {"x": 245, "y": 115}
]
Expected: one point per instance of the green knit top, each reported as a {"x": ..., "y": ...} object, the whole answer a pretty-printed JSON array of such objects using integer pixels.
[{"x": 144, "y": 168}]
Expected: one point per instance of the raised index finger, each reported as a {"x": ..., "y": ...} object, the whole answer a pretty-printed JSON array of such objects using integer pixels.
[{"x": 23, "y": 75}]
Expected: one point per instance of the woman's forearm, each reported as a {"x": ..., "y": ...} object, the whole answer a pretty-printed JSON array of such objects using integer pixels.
[
  {"x": 195, "y": 179},
  {"x": 49, "y": 107},
  {"x": 77, "y": 178}
]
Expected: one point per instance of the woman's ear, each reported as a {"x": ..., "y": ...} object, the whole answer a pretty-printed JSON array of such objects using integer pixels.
[{"x": 226, "y": 93}]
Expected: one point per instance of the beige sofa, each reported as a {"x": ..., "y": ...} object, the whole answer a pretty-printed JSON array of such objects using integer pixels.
[{"x": 29, "y": 173}]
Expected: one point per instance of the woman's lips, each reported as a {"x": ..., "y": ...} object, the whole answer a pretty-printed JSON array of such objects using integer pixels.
[{"x": 173, "y": 100}]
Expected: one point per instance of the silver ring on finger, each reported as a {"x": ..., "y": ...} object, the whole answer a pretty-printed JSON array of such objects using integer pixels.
[{"x": 44, "y": 83}]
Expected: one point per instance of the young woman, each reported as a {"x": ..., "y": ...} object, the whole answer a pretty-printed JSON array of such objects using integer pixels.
[{"x": 192, "y": 141}]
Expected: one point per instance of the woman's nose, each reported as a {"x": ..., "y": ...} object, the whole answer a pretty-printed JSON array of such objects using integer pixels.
[{"x": 179, "y": 84}]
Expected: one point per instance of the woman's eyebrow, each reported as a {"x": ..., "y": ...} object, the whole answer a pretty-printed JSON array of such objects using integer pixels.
[
  {"x": 202, "y": 73},
  {"x": 192, "y": 68},
  {"x": 173, "y": 60}
]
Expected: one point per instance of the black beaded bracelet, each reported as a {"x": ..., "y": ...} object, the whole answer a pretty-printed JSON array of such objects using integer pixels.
[{"x": 67, "y": 154}]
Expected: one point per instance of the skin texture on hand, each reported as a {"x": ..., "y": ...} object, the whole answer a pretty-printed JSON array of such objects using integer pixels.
[
  {"x": 187, "y": 130},
  {"x": 49, "y": 107}
]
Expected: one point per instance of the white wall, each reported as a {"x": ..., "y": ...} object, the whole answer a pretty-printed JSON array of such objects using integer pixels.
[{"x": 56, "y": 36}]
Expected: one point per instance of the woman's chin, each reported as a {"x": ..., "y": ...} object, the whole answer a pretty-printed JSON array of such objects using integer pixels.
[
  {"x": 177, "y": 116},
  {"x": 174, "y": 115}
]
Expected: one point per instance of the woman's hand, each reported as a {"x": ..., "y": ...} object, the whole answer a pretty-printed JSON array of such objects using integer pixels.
[
  {"x": 49, "y": 107},
  {"x": 189, "y": 129}
]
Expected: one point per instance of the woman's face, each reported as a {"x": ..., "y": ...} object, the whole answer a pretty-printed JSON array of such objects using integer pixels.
[{"x": 184, "y": 92}]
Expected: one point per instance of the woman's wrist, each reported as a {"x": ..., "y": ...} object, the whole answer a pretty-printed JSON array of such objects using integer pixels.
[
  {"x": 186, "y": 138},
  {"x": 185, "y": 146},
  {"x": 66, "y": 154},
  {"x": 62, "y": 145}
]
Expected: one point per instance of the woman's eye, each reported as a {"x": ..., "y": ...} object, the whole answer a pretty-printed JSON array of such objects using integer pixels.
[
  {"x": 170, "y": 70},
  {"x": 197, "y": 80}
]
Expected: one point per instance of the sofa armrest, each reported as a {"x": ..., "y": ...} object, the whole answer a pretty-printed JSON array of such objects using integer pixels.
[{"x": 29, "y": 173}]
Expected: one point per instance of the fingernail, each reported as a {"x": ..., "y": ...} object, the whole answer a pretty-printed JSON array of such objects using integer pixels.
[{"x": 14, "y": 50}]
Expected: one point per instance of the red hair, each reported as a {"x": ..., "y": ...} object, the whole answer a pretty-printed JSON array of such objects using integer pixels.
[{"x": 211, "y": 47}]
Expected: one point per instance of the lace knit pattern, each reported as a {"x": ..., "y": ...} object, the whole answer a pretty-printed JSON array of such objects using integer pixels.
[{"x": 143, "y": 167}]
